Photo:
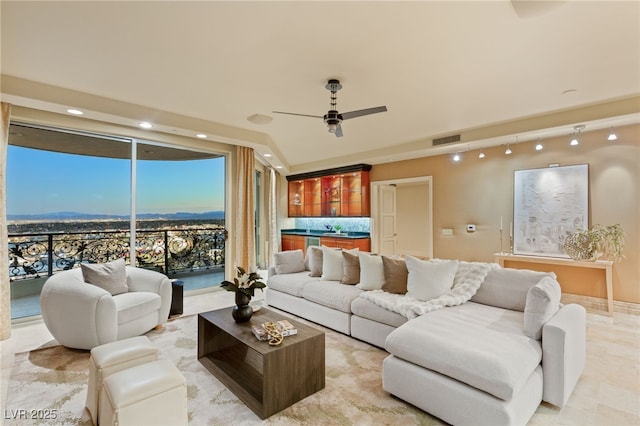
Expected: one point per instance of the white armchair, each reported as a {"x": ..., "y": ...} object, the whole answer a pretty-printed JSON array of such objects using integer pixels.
[{"x": 80, "y": 315}]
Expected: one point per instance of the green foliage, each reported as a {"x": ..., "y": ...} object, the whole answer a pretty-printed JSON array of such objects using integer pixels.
[{"x": 591, "y": 244}]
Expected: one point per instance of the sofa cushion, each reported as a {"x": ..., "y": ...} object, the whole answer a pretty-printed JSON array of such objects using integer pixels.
[
  {"x": 427, "y": 279},
  {"x": 367, "y": 309},
  {"x": 543, "y": 301},
  {"x": 314, "y": 260},
  {"x": 350, "y": 268},
  {"x": 477, "y": 344},
  {"x": 331, "y": 294},
  {"x": 371, "y": 271},
  {"x": 110, "y": 276},
  {"x": 289, "y": 262},
  {"x": 290, "y": 283},
  {"x": 395, "y": 275},
  {"x": 507, "y": 288},
  {"x": 135, "y": 304},
  {"x": 332, "y": 263}
]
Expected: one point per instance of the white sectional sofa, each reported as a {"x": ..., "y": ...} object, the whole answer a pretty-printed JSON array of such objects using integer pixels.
[{"x": 488, "y": 350}]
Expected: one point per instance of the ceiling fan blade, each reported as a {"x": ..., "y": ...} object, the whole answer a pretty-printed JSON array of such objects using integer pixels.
[
  {"x": 339, "y": 131},
  {"x": 294, "y": 113},
  {"x": 361, "y": 112}
]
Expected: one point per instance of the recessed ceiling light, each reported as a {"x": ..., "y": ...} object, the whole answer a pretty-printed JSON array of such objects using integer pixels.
[
  {"x": 145, "y": 125},
  {"x": 278, "y": 167},
  {"x": 75, "y": 111},
  {"x": 267, "y": 155},
  {"x": 201, "y": 136}
]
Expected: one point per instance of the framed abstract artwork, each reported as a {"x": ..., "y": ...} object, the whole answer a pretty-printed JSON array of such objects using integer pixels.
[{"x": 548, "y": 205}]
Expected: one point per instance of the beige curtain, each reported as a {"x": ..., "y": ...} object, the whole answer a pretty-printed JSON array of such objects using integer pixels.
[
  {"x": 244, "y": 214},
  {"x": 274, "y": 232},
  {"x": 5, "y": 291}
]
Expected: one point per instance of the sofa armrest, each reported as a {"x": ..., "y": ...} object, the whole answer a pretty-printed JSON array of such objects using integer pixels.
[
  {"x": 140, "y": 279},
  {"x": 564, "y": 339},
  {"x": 272, "y": 271}
]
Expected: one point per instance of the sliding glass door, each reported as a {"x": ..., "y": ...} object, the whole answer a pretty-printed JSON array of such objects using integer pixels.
[{"x": 71, "y": 197}]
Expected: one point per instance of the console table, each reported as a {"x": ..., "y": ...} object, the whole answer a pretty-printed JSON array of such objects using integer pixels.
[{"x": 606, "y": 265}]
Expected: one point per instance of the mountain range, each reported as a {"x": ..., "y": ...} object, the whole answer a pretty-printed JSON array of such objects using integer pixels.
[{"x": 60, "y": 216}]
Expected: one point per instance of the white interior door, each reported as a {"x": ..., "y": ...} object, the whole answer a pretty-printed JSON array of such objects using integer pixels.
[{"x": 388, "y": 233}]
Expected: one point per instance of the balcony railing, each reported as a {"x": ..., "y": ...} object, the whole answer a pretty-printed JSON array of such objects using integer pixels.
[{"x": 172, "y": 251}]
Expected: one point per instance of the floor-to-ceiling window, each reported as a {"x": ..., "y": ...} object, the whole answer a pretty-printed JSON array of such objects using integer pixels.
[
  {"x": 180, "y": 214},
  {"x": 70, "y": 198},
  {"x": 260, "y": 261}
]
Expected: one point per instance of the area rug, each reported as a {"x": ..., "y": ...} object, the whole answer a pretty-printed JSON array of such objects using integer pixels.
[{"x": 54, "y": 381}]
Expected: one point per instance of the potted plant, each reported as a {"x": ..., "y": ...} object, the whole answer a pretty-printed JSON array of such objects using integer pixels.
[
  {"x": 337, "y": 228},
  {"x": 591, "y": 244},
  {"x": 244, "y": 286}
]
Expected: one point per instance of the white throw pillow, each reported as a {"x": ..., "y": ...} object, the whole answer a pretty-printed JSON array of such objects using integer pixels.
[
  {"x": 428, "y": 280},
  {"x": 543, "y": 301},
  {"x": 371, "y": 271},
  {"x": 110, "y": 276},
  {"x": 289, "y": 262},
  {"x": 332, "y": 269}
]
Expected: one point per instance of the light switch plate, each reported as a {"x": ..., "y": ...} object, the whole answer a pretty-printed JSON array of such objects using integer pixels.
[{"x": 447, "y": 231}]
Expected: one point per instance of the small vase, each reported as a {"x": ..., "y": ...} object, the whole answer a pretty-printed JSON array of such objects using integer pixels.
[{"x": 242, "y": 311}]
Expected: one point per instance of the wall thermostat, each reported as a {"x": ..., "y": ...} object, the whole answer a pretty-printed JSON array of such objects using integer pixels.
[{"x": 471, "y": 228}]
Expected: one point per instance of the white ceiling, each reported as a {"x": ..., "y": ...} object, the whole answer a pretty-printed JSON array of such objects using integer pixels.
[{"x": 490, "y": 70}]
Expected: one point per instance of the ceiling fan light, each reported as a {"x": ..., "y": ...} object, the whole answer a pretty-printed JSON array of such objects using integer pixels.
[{"x": 332, "y": 127}]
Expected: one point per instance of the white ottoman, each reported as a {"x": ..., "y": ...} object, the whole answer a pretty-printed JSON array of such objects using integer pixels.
[
  {"x": 150, "y": 394},
  {"x": 113, "y": 357}
]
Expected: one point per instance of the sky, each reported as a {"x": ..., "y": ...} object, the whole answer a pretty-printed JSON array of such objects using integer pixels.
[{"x": 43, "y": 181}]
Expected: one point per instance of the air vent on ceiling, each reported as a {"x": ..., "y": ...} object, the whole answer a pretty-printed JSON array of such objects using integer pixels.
[{"x": 446, "y": 140}]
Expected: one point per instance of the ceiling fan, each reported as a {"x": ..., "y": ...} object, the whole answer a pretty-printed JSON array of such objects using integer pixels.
[{"x": 333, "y": 118}]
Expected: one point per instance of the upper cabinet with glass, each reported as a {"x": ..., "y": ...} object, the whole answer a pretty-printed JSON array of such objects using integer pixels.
[{"x": 342, "y": 192}]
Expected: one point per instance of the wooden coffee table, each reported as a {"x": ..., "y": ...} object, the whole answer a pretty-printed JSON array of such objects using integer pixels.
[{"x": 266, "y": 378}]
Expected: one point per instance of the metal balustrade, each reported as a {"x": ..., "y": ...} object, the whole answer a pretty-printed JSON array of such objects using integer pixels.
[{"x": 171, "y": 251}]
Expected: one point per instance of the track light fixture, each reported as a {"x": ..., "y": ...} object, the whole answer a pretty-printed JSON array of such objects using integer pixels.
[
  {"x": 508, "y": 150},
  {"x": 481, "y": 155},
  {"x": 575, "y": 138},
  {"x": 612, "y": 135}
]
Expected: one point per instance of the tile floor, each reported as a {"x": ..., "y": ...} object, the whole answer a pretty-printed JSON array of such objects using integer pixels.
[{"x": 608, "y": 392}]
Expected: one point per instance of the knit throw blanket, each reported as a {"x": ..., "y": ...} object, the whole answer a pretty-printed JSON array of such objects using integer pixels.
[{"x": 466, "y": 282}]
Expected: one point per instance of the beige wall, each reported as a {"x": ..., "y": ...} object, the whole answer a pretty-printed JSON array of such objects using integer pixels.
[
  {"x": 412, "y": 206},
  {"x": 481, "y": 190}
]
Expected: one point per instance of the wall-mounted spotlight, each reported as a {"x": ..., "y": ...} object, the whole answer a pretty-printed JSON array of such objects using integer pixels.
[
  {"x": 612, "y": 135},
  {"x": 508, "y": 150},
  {"x": 481, "y": 155},
  {"x": 456, "y": 157}
]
